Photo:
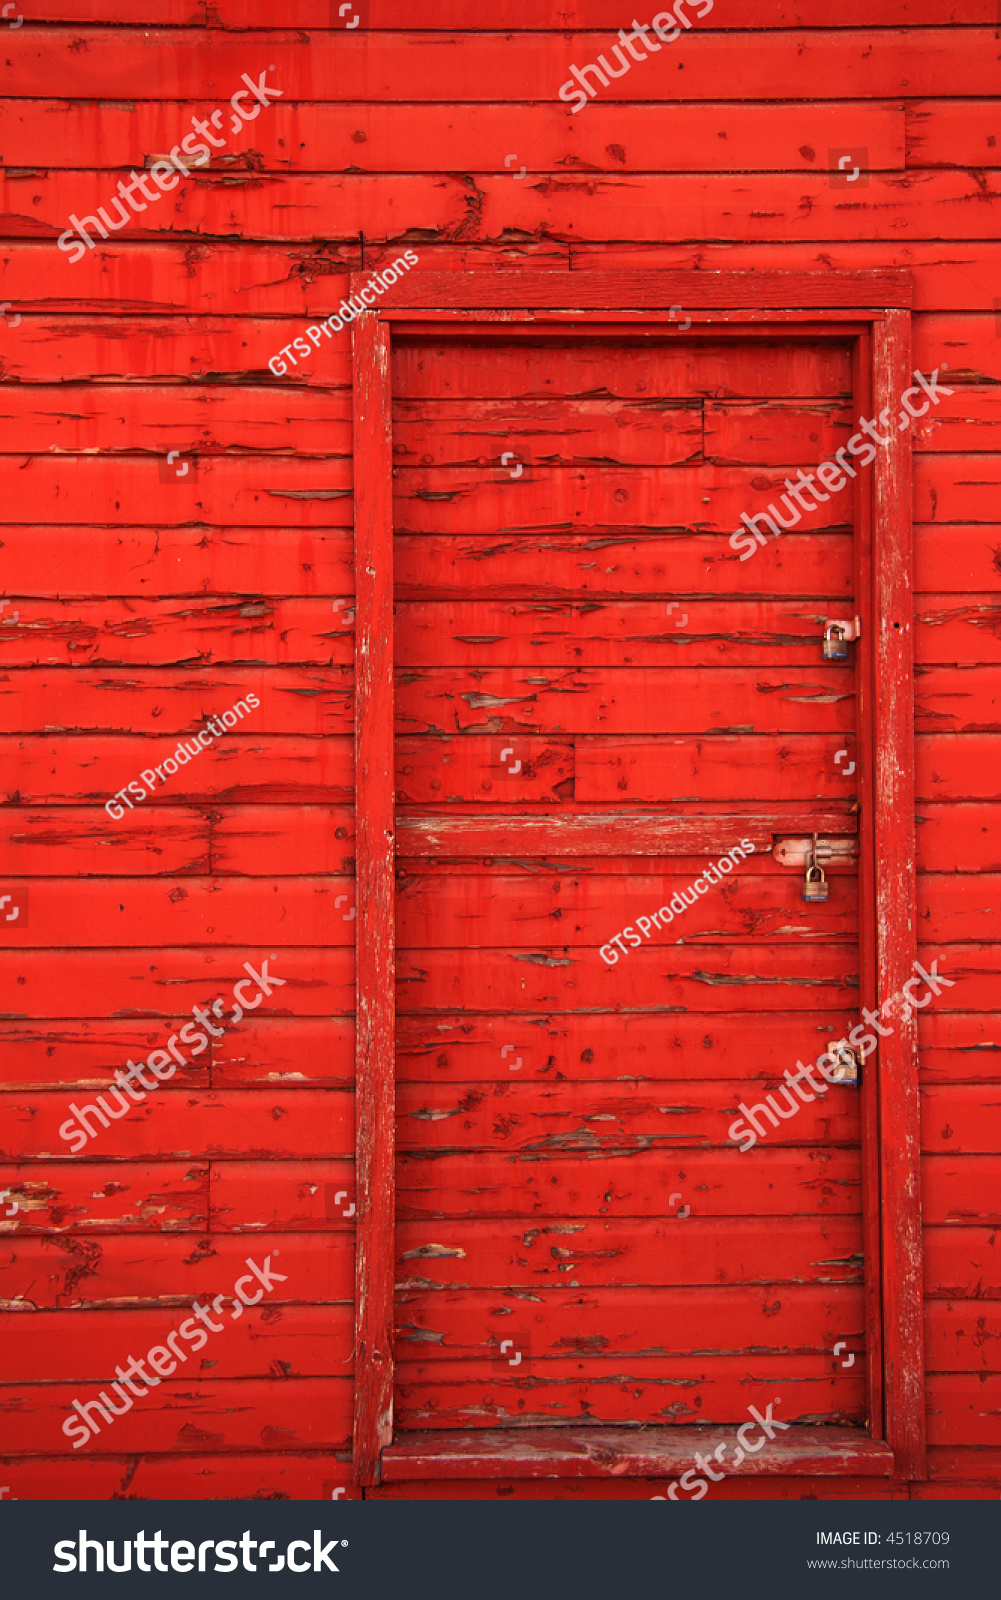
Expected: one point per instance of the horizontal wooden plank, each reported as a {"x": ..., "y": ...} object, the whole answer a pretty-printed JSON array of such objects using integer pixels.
[
  {"x": 961, "y": 1260},
  {"x": 460, "y": 1048},
  {"x": 961, "y": 1119},
  {"x": 195, "y": 348},
  {"x": 964, "y": 1409},
  {"x": 61, "y": 841},
  {"x": 59, "y": 561},
  {"x": 140, "y": 631},
  {"x": 110, "y": 1272},
  {"x": 78, "y": 913},
  {"x": 956, "y": 767},
  {"x": 654, "y": 1453},
  {"x": 202, "y": 419},
  {"x": 333, "y": 65},
  {"x": 957, "y": 906},
  {"x": 584, "y": 1253},
  {"x": 85, "y": 1346},
  {"x": 292, "y": 701},
  {"x": 932, "y": 290},
  {"x": 293, "y": 1476},
  {"x": 664, "y": 368},
  {"x": 729, "y": 766},
  {"x": 130, "y": 274},
  {"x": 588, "y": 1121},
  {"x": 583, "y": 1490},
  {"x": 146, "y": 983},
  {"x": 57, "y": 841},
  {"x": 175, "y": 1124},
  {"x": 295, "y": 838},
  {"x": 308, "y": 282},
  {"x": 620, "y": 843},
  {"x": 521, "y": 14},
  {"x": 492, "y": 632},
  {"x": 627, "y": 1322},
  {"x": 567, "y": 499},
  {"x": 218, "y": 1414},
  {"x": 951, "y": 133},
  {"x": 583, "y": 910},
  {"x": 765, "y": 767},
  {"x": 965, "y": 699},
  {"x": 464, "y": 433},
  {"x": 251, "y": 490},
  {"x": 661, "y": 977},
  {"x": 479, "y": 1394},
  {"x": 956, "y": 559},
  {"x": 443, "y": 769},
  {"x": 963, "y": 346},
  {"x": 278, "y": 1051},
  {"x": 961, "y": 1336},
  {"x": 625, "y": 700},
  {"x": 309, "y": 136},
  {"x": 158, "y": 632},
  {"x": 294, "y": 1196},
  {"x": 70, "y": 1198},
  {"x": 952, "y": 837},
  {"x": 967, "y": 631},
  {"x": 968, "y": 419},
  {"x": 956, "y": 488},
  {"x": 618, "y": 565},
  {"x": 961, "y": 1188},
  {"x": 775, "y": 433},
  {"x": 769, "y": 1181},
  {"x": 268, "y": 768}
]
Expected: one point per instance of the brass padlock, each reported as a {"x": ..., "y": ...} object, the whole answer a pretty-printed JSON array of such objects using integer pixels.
[
  {"x": 816, "y": 886},
  {"x": 835, "y": 645}
]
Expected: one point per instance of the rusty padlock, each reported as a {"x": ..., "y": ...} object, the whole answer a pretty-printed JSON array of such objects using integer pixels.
[{"x": 835, "y": 643}]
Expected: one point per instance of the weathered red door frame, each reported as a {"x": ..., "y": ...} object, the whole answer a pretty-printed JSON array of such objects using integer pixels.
[{"x": 872, "y": 309}]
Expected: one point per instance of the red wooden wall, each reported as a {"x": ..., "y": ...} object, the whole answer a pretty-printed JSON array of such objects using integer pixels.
[{"x": 147, "y": 604}]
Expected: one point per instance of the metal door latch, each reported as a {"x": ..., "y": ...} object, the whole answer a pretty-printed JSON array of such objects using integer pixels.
[{"x": 800, "y": 852}]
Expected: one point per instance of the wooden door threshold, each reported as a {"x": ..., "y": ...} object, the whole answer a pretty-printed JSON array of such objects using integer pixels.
[{"x": 629, "y": 1453}]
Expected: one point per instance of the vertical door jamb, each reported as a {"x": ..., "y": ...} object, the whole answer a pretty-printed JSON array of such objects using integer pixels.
[
  {"x": 374, "y": 924},
  {"x": 896, "y": 903}
]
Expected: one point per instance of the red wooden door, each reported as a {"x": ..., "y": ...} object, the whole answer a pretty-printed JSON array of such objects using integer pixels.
[{"x": 580, "y": 1235}]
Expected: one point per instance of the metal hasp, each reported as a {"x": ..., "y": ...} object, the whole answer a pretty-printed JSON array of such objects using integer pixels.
[
  {"x": 798, "y": 851},
  {"x": 837, "y": 636}
]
